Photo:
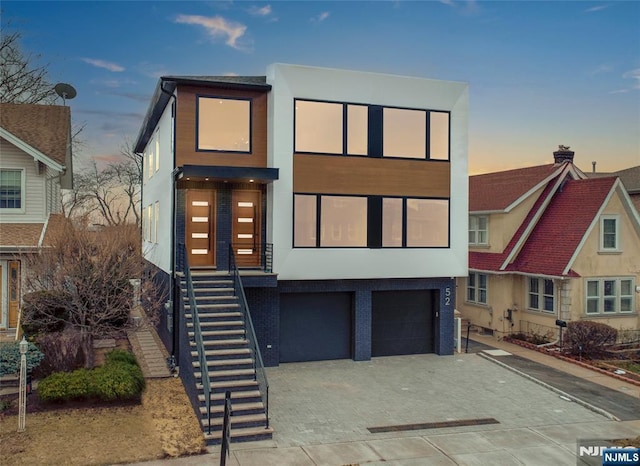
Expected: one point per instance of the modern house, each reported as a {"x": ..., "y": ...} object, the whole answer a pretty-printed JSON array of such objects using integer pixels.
[
  {"x": 549, "y": 243},
  {"x": 35, "y": 164},
  {"x": 339, "y": 198}
]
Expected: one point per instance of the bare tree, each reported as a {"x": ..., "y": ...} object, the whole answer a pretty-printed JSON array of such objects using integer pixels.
[
  {"x": 93, "y": 270},
  {"x": 22, "y": 80},
  {"x": 110, "y": 195}
]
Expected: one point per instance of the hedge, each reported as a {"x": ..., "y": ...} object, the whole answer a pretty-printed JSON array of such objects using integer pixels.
[{"x": 119, "y": 379}]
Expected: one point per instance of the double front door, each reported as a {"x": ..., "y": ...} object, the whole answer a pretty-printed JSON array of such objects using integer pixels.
[{"x": 205, "y": 227}]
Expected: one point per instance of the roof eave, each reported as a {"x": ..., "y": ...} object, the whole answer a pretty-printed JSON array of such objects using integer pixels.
[{"x": 32, "y": 151}]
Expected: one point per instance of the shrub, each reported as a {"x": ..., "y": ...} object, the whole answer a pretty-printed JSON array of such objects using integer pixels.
[
  {"x": 62, "y": 352},
  {"x": 119, "y": 355},
  {"x": 119, "y": 379},
  {"x": 10, "y": 357},
  {"x": 588, "y": 338},
  {"x": 45, "y": 312}
]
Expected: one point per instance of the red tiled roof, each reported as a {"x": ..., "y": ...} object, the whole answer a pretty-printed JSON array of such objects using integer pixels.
[
  {"x": 496, "y": 191},
  {"x": 44, "y": 127},
  {"x": 564, "y": 223}
]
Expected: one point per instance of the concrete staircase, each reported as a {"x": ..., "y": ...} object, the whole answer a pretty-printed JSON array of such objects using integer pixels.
[{"x": 229, "y": 360}]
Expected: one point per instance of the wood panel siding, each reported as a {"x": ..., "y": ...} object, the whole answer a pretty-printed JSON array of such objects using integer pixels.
[
  {"x": 186, "y": 124},
  {"x": 374, "y": 176}
]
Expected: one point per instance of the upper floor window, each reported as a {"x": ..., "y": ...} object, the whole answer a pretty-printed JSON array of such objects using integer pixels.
[
  {"x": 609, "y": 233},
  {"x": 370, "y": 130},
  {"x": 541, "y": 295},
  {"x": 478, "y": 231},
  {"x": 151, "y": 161},
  {"x": 157, "y": 138},
  {"x": 224, "y": 124},
  {"x": 11, "y": 189},
  {"x": 477, "y": 288},
  {"x": 609, "y": 295}
]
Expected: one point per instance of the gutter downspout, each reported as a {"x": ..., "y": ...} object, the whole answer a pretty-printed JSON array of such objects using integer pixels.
[{"x": 175, "y": 343}]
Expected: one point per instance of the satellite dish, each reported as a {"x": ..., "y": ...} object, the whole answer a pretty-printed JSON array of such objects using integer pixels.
[{"x": 66, "y": 91}]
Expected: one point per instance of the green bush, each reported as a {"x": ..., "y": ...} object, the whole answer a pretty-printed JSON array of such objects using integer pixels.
[
  {"x": 119, "y": 355},
  {"x": 45, "y": 312},
  {"x": 119, "y": 379},
  {"x": 588, "y": 338},
  {"x": 10, "y": 357}
]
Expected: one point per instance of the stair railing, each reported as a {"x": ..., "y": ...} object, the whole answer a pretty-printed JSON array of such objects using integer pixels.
[
  {"x": 197, "y": 333},
  {"x": 250, "y": 334}
]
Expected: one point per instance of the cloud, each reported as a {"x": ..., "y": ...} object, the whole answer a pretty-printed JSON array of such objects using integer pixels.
[
  {"x": 604, "y": 68},
  {"x": 633, "y": 74},
  {"x": 217, "y": 27},
  {"x": 596, "y": 8},
  {"x": 104, "y": 64},
  {"x": 468, "y": 6},
  {"x": 321, "y": 17},
  {"x": 260, "y": 11}
]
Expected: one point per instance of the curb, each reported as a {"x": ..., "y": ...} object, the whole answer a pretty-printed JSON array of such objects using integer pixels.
[
  {"x": 573, "y": 398},
  {"x": 573, "y": 361}
]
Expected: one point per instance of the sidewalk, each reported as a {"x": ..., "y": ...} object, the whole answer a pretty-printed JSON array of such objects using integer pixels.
[{"x": 322, "y": 413}]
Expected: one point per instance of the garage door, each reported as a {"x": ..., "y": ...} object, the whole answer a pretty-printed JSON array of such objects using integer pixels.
[
  {"x": 402, "y": 322},
  {"x": 315, "y": 326}
]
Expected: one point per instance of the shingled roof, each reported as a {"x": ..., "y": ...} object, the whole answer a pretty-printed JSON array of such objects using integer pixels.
[
  {"x": 564, "y": 223},
  {"x": 46, "y": 128}
]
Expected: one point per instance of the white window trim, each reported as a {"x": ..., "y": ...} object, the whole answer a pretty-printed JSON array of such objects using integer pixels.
[
  {"x": 476, "y": 230},
  {"x": 618, "y": 246},
  {"x": 477, "y": 289},
  {"x": 601, "y": 296},
  {"x": 157, "y": 149},
  {"x": 541, "y": 296},
  {"x": 23, "y": 192}
]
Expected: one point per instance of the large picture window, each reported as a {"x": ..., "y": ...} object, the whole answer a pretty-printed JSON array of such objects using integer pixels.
[
  {"x": 370, "y": 130},
  {"x": 224, "y": 124},
  {"x": 318, "y": 127},
  {"x": 609, "y": 296},
  {"x": 361, "y": 221},
  {"x": 11, "y": 189},
  {"x": 404, "y": 133},
  {"x": 427, "y": 223}
]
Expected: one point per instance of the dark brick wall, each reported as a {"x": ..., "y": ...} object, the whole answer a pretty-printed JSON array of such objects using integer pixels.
[
  {"x": 264, "y": 305},
  {"x": 162, "y": 288}
]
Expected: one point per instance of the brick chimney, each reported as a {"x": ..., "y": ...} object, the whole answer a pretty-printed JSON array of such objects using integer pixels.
[{"x": 563, "y": 154}]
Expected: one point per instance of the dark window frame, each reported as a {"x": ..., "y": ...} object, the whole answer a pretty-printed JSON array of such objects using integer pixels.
[
  {"x": 375, "y": 130},
  {"x": 197, "y": 124},
  {"x": 374, "y": 236}
]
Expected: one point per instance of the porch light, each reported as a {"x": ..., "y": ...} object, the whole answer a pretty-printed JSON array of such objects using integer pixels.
[{"x": 251, "y": 181}]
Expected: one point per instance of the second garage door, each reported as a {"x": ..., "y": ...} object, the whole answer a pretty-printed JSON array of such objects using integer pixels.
[
  {"x": 315, "y": 326},
  {"x": 402, "y": 322}
]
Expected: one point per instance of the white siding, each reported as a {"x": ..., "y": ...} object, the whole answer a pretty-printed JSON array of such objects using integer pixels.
[
  {"x": 159, "y": 189},
  {"x": 291, "y": 82},
  {"x": 35, "y": 195}
]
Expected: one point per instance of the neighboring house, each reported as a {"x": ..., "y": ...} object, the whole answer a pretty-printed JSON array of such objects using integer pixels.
[
  {"x": 342, "y": 194},
  {"x": 547, "y": 243},
  {"x": 630, "y": 178},
  {"x": 35, "y": 164}
]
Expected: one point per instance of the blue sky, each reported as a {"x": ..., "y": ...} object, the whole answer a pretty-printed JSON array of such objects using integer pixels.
[{"x": 540, "y": 73}]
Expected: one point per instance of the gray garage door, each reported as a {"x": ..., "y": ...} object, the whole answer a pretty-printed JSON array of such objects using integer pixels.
[
  {"x": 402, "y": 322},
  {"x": 315, "y": 326}
]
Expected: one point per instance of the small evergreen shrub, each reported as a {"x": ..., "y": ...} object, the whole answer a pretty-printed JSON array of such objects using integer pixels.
[
  {"x": 45, "y": 312},
  {"x": 10, "y": 357},
  {"x": 588, "y": 338},
  {"x": 119, "y": 379}
]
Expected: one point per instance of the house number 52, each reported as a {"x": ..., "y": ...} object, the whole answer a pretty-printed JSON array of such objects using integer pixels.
[{"x": 447, "y": 296}]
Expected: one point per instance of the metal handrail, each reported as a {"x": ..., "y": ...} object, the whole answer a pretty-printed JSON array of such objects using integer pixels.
[
  {"x": 263, "y": 250},
  {"x": 197, "y": 333},
  {"x": 250, "y": 334}
]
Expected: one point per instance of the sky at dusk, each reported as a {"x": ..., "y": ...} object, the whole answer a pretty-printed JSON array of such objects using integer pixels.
[{"x": 540, "y": 73}]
